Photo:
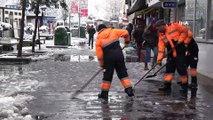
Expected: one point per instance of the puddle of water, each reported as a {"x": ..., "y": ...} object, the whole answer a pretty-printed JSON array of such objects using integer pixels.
[
  {"x": 10, "y": 70},
  {"x": 75, "y": 58}
]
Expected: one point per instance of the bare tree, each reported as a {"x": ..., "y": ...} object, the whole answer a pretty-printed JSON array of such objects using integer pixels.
[
  {"x": 34, "y": 4},
  {"x": 112, "y": 8},
  {"x": 20, "y": 45}
]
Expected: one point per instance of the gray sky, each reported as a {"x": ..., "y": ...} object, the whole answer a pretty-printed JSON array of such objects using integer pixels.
[{"x": 93, "y": 10}]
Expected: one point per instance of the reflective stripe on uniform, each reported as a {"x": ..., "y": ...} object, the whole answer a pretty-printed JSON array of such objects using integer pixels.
[
  {"x": 189, "y": 37},
  {"x": 184, "y": 32},
  {"x": 168, "y": 77},
  {"x": 106, "y": 85},
  {"x": 113, "y": 41},
  {"x": 126, "y": 83},
  {"x": 193, "y": 72},
  {"x": 173, "y": 31},
  {"x": 184, "y": 79}
]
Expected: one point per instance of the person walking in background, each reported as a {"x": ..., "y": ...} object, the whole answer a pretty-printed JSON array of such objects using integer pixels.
[
  {"x": 129, "y": 28},
  {"x": 91, "y": 31},
  {"x": 137, "y": 35},
  {"x": 151, "y": 41},
  {"x": 172, "y": 37},
  {"x": 110, "y": 57}
]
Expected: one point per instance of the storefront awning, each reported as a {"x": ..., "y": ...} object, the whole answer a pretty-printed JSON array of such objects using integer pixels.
[{"x": 138, "y": 5}]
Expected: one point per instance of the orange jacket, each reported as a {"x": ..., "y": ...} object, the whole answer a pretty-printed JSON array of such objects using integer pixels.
[
  {"x": 106, "y": 37},
  {"x": 174, "y": 32},
  {"x": 189, "y": 38}
]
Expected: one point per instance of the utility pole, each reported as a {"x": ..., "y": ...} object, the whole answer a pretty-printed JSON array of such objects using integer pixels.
[
  {"x": 194, "y": 19},
  {"x": 79, "y": 18},
  {"x": 69, "y": 19}
]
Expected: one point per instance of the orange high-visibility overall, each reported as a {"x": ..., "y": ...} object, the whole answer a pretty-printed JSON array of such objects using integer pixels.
[
  {"x": 176, "y": 59},
  {"x": 110, "y": 56}
]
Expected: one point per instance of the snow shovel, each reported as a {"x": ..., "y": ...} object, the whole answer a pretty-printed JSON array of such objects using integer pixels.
[
  {"x": 155, "y": 74},
  {"x": 144, "y": 76},
  {"x": 85, "y": 85}
]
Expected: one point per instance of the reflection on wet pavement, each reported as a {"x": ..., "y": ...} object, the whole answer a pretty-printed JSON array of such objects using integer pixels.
[
  {"x": 148, "y": 104},
  {"x": 75, "y": 58},
  {"x": 63, "y": 74},
  {"x": 86, "y": 58}
]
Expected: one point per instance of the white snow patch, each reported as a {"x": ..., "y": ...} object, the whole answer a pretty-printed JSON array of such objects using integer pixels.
[{"x": 14, "y": 108}]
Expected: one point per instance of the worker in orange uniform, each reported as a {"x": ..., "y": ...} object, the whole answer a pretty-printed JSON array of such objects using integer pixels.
[
  {"x": 192, "y": 61},
  {"x": 110, "y": 57},
  {"x": 172, "y": 37}
]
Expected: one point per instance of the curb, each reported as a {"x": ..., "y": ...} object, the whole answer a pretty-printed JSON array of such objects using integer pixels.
[{"x": 15, "y": 59}]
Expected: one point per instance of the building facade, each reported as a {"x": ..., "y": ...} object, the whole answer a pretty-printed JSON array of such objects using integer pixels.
[{"x": 196, "y": 14}]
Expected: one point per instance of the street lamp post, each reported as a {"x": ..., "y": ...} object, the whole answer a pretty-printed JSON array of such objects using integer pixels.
[{"x": 42, "y": 23}]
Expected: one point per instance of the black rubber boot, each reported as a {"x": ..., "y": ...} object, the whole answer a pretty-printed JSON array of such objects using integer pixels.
[
  {"x": 184, "y": 90},
  {"x": 184, "y": 86},
  {"x": 193, "y": 87},
  {"x": 129, "y": 91},
  {"x": 103, "y": 95},
  {"x": 166, "y": 87},
  {"x": 193, "y": 92},
  {"x": 193, "y": 83}
]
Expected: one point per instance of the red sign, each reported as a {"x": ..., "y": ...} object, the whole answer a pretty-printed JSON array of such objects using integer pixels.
[
  {"x": 84, "y": 7},
  {"x": 74, "y": 7},
  {"x": 84, "y": 12}
]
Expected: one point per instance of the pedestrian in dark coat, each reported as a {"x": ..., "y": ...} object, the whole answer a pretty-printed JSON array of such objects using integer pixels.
[
  {"x": 137, "y": 35},
  {"x": 151, "y": 42},
  {"x": 91, "y": 33},
  {"x": 129, "y": 29}
]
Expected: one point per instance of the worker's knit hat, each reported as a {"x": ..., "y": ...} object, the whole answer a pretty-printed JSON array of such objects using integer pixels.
[
  {"x": 160, "y": 23},
  {"x": 101, "y": 26}
]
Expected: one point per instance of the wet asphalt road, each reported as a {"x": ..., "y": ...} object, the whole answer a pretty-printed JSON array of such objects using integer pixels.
[{"x": 67, "y": 70}]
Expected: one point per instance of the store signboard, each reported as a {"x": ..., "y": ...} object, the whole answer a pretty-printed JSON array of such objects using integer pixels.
[{"x": 169, "y": 5}]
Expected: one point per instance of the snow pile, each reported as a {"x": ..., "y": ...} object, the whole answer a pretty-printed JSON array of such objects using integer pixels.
[
  {"x": 14, "y": 108},
  {"x": 42, "y": 57},
  {"x": 5, "y": 26}
]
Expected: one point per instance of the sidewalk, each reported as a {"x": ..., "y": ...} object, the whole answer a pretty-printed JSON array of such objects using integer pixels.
[
  {"x": 50, "y": 83},
  {"x": 205, "y": 64}
]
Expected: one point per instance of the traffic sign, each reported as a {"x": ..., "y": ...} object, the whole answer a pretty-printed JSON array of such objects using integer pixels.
[{"x": 168, "y": 5}]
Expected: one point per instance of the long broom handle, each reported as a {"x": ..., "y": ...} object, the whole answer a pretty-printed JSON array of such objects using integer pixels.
[
  {"x": 87, "y": 83},
  {"x": 145, "y": 75},
  {"x": 157, "y": 71},
  {"x": 153, "y": 67}
]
